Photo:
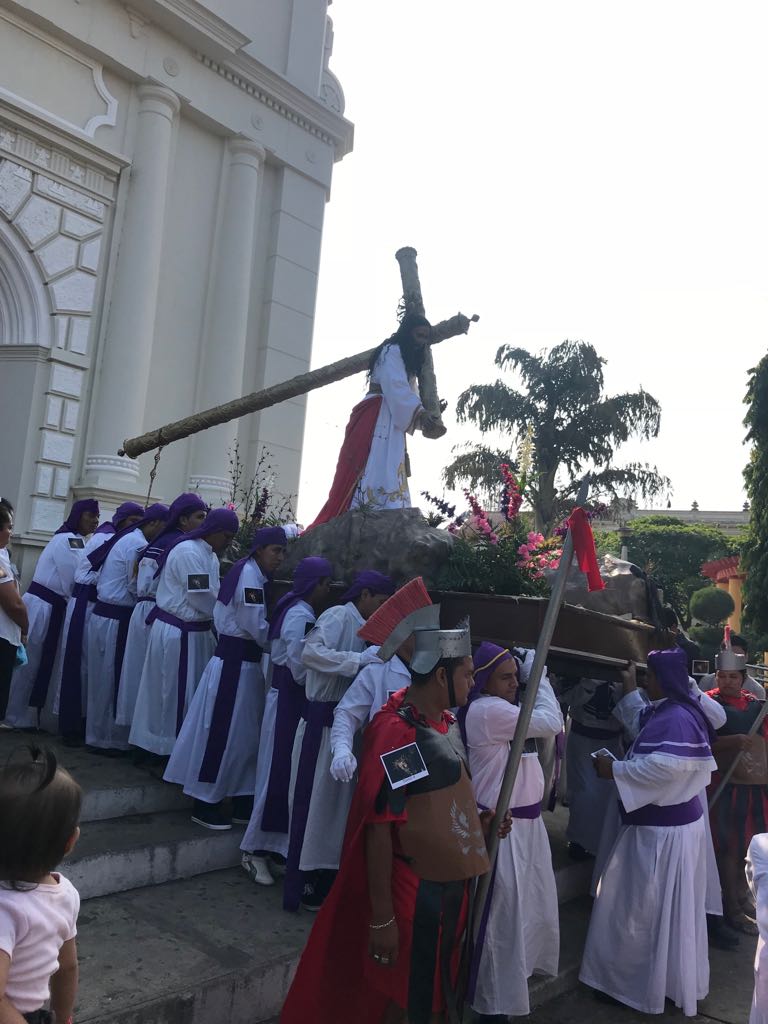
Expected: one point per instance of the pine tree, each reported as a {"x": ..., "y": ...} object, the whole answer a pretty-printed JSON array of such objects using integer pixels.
[{"x": 755, "y": 553}]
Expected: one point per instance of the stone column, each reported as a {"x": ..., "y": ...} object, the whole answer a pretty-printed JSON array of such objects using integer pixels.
[
  {"x": 223, "y": 355},
  {"x": 121, "y": 387}
]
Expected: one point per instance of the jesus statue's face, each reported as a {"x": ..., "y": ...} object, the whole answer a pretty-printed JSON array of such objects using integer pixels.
[{"x": 420, "y": 336}]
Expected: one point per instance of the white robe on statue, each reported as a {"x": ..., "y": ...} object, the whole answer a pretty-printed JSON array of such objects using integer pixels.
[
  {"x": 55, "y": 570},
  {"x": 757, "y": 876},
  {"x": 523, "y": 932},
  {"x": 116, "y": 585},
  {"x": 287, "y": 649},
  {"x": 85, "y": 575},
  {"x": 138, "y": 639},
  {"x": 155, "y": 714},
  {"x": 647, "y": 938},
  {"x": 332, "y": 658},
  {"x": 384, "y": 483},
  {"x": 237, "y": 771}
]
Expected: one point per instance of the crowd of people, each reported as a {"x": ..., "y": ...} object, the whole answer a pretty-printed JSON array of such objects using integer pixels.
[{"x": 363, "y": 747}]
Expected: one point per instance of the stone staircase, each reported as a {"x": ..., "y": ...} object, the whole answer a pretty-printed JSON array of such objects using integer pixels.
[{"x": 173, "y": 932}]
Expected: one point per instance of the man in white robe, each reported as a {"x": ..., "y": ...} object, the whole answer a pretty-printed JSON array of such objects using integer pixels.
[
  {"x": 333, "y": 655},
  {"x": 757, "y": 877},
  {"x": 216, "y": 753},
  {"x": 181, "y": 642},
  {"x": 116, "y": 565},
  {"x": 521, "y": 934},
  {"x": 656, "y": 873},
  {"x": 31, "y": 699}
]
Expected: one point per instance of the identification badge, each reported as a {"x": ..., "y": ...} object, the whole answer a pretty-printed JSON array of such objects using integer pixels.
[
  {"x": 404, "y": 765},
  {"x": 308, "y": 628},
  {"x": 76, "y": 542},
  {"x": 253, "y": 595},
  {"x": 198, "y": 581}
]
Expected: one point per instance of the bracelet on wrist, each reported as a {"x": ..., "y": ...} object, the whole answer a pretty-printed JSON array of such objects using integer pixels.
[{"x": 377, "y": 927}]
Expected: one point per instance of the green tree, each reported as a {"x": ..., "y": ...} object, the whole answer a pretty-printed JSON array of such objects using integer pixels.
[
  {"x": 572, "y": 424},
  {"x": 673, "y": 553},
  {"x": 711, "y": 605},
  {"x": 755, "y": 551}
]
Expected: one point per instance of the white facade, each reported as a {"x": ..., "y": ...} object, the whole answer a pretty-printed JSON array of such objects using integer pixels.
[{"x": 164, "y": 168}]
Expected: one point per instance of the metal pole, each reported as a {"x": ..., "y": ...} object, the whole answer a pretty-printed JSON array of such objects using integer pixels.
[{"x": 521, "y": 729}]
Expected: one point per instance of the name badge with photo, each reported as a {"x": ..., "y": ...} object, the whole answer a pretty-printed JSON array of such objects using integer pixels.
[
  {"x": 76, "y": 542},
  {"x": 198, "y": 581},
  {"x": 253, "y": 595},
  {"x": 404, "y": 765}
]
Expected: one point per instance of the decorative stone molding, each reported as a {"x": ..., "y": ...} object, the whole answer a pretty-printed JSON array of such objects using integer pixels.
[
  {"x": 210, "y": 483},
  {"x": 111, "y": 464},
  {"x": 195, "y": 17}
]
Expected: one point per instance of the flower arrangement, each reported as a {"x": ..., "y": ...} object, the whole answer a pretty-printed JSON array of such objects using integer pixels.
[{"x": 537, "y": 554}]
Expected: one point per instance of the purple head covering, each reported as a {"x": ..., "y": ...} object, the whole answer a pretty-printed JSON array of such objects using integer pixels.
[
  {"x": 72, "y": 521},
  {"x": 98, "y": 557},
  {"x": 308, "y": 573},
  {"x": 128, "y": 508},
  {"x": 217, "y": 521},
  {"x": 486, "y": 660},
  {"x": 184, "y": 505},
  {"x": 261, "y": 539},
  {"x": 670, "y": 667},
  {"x": 371, "y": 580}
]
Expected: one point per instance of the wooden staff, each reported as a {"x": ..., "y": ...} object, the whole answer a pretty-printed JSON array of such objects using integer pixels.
[{"x": 299, "y": 385}]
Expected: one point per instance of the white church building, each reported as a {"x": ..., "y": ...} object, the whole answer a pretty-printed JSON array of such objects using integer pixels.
[{"x": 164, "y": 169}]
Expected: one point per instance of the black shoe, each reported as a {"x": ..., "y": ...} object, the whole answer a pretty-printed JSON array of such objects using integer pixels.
[
  {"x": 210, "y": 816},
  {"x": 312, "y": 895},
  {"x": 242, "y": 809},
  {"x": 720, "y": 935},
  {"x": 578, "y": 853}
]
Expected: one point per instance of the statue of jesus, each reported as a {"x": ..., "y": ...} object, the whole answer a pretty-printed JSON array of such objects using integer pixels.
[{"x": 371, "y": 470}]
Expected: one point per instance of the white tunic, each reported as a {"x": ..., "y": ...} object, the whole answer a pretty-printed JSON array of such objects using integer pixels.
[
  {"x": 116, "y": 585},
  {"x": 237, "y": 772},
  {"x": 372, "y": 688},
  {"x": 523, "y": 932},
  {"x": 55, "y": 570},
  {"x": 287, "y": 649},
  {"x": 332, "y": 658},
  {"x": 86, "y": 576},
  {"x": 655, "y": 878},
  {"x": 155, "y": 714},
  {"x": 384, "y": 483},
  {"x": 138, "y": 638},
  {"x": 757, "y": 876}
]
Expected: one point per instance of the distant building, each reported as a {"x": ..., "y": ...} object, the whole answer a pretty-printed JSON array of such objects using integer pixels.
[{"x": 164, "y": 171}]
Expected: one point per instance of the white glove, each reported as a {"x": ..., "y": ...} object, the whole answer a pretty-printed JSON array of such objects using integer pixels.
[
  {"x": 370, "y": 657},
  {"x": 343, "y": 766}
]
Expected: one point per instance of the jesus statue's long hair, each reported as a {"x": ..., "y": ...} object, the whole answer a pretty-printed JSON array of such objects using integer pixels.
[{"x": 413, "y": 354}]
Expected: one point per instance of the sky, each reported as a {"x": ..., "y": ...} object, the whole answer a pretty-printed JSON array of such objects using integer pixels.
[{"x": 594, "y": 171}]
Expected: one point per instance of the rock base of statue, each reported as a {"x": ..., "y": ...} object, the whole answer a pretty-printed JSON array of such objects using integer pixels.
[{"x": 398, "y": 542}]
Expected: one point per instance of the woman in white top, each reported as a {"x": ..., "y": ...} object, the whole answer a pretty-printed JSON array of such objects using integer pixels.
[
  {"x": 14, "y": 621},
  {"x": 522, "y": 934}
]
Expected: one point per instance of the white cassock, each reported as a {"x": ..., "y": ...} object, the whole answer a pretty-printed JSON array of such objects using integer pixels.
[
  {"x": 647, "y": 938},
  {"x": 55, "y": 571},
  {"x": 628, "y": 712},
  {"x": 332, "y": 658},
  {"x": 373, "y": 686},
  {"x": 757, "y": 876},
  {"x": 384, "y": 483},
  {"x": 138, "y": 639},
  {"x": 287, "y": 650},
  {"x": 523, "y": 931},
  {"x": 236, "y": 771},
  {"x": 116, "y": 590},
  {"x": 85, "y": 576},
  {"x": 189, "y": 585}
]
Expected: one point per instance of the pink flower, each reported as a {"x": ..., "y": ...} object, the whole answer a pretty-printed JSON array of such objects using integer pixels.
[{"x": 231, "y": 506}]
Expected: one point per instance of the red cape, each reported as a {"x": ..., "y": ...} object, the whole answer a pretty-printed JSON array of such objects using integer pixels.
[
  {"x": 353, "y": 456},
  {"x": 329, "y": 987}
]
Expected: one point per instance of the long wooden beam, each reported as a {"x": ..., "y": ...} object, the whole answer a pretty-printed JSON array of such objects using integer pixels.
[{"x": 258, "y": 400}]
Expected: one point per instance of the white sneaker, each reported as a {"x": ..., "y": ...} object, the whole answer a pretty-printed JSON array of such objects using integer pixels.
[{"x": 257, "y": 869}]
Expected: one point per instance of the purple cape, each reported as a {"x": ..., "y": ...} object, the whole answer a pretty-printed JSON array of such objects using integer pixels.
[{"x": 98, "y": 557}]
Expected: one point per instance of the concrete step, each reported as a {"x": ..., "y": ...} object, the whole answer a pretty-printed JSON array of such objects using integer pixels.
[
  {"x": 112, "y": 787},
  {"x": 146, "y": 850}
]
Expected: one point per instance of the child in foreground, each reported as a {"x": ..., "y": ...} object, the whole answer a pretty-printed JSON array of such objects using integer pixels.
[{"x": 39, "y": 812}]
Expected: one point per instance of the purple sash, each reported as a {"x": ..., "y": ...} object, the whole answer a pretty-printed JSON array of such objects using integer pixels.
[
  {"x": 71, "y": 694},
  {"x": 674, "y": 814},
  {"x": 186, "y": 627},
  {"x": 233, "y": 651},
  {"x": 530, "y": 811},
  {"x": 121, "y": 613},
  {"x": 318, "y": 716},
  {"x": 50, "y": 642},
  {"x": 291, "y": 706}
]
